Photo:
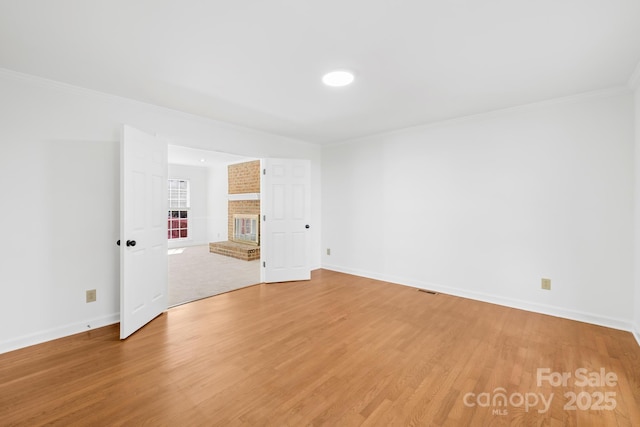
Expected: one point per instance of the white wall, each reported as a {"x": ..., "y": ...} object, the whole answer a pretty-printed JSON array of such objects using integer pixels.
[
  {"x": 218, "y": 206},
  {"x": 485, "y": 207},
  {"x": 637, "y": 207},
  {"x": 59, "y": 167},
  {"x": 198, "y": 213}
]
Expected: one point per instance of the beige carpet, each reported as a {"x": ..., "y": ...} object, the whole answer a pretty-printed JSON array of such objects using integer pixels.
[{"x": 194, "y": 273}]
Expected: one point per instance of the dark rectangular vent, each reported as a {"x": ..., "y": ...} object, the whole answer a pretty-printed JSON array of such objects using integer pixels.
[{"x": 426, "y": 291}]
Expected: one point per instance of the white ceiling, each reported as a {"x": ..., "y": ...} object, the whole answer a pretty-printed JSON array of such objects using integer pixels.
[{"x": 259, "y": 63}]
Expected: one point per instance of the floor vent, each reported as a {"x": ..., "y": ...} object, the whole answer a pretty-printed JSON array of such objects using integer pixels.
[{"x": 428, "y": 291}]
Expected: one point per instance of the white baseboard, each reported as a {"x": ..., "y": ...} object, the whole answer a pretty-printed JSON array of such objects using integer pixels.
[
  {"x": 636, "y": 332},
  {"x": 99, "y": 322},
  {"x": 580, "y": 316},
  {"x": 55, "y": 333}
]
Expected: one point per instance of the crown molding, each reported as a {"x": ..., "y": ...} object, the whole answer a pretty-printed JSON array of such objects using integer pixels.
[
  {"x": 570, "y": 99},
  {"x": 44, "y": 82}
]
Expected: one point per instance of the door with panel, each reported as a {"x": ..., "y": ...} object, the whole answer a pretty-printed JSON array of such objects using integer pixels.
[
  {"x": 286, "y": 211},
  {"x": 143, "y": 229}
]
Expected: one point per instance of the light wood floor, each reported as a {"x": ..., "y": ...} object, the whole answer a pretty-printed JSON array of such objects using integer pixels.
[{"x": 337, "y": 351}]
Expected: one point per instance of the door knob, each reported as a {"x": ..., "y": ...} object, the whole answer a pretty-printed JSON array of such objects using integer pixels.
[
  {"x": 118, "y": 243},
  {"x": 307, "y": 226},
  {"x": 131, "y": 242}
]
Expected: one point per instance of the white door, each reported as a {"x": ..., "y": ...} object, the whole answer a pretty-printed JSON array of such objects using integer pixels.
[
  {"x": 286, "y": 203},
  {"x": 143, "y": 229}
]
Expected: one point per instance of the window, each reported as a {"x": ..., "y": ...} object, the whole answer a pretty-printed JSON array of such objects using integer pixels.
[{"x": 179, "y": 204}]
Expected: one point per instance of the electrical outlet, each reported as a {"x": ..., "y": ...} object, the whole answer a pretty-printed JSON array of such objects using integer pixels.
[
  {"x": 546, "y": 284},
  {"x": 91, "y": 295},
  {"x": 328, "y": 251}
]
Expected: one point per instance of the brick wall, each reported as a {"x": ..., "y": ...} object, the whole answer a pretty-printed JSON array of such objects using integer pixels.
[{"x": 243, "y": 178}]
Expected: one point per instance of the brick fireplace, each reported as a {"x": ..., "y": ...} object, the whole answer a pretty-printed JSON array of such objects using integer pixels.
[{"x": 244, "y": 212}]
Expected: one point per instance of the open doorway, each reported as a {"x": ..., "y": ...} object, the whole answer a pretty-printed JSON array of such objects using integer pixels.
[{"x": 198, "y": 216}]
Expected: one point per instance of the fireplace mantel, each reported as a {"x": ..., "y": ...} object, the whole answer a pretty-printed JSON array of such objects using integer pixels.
[{"x": 244, "y": 196}]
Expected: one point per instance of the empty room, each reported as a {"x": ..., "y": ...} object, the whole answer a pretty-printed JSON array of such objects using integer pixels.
[{"x": 437, "y": 204}]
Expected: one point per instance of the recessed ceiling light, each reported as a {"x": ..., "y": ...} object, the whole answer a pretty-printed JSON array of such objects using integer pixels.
[
  {"x": 338, "y": 78},
  {"x": 202, "y": 160}
]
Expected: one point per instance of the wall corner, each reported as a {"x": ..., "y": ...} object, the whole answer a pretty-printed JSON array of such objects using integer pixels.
[{"x": 634, "y": 80}]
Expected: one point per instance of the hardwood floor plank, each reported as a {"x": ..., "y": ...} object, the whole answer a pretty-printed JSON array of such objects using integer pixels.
[{"x": 338, "y": 350}]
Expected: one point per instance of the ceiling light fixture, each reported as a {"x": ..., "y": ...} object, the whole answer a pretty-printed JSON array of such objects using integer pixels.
[{"x": 338, "y": 78}]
